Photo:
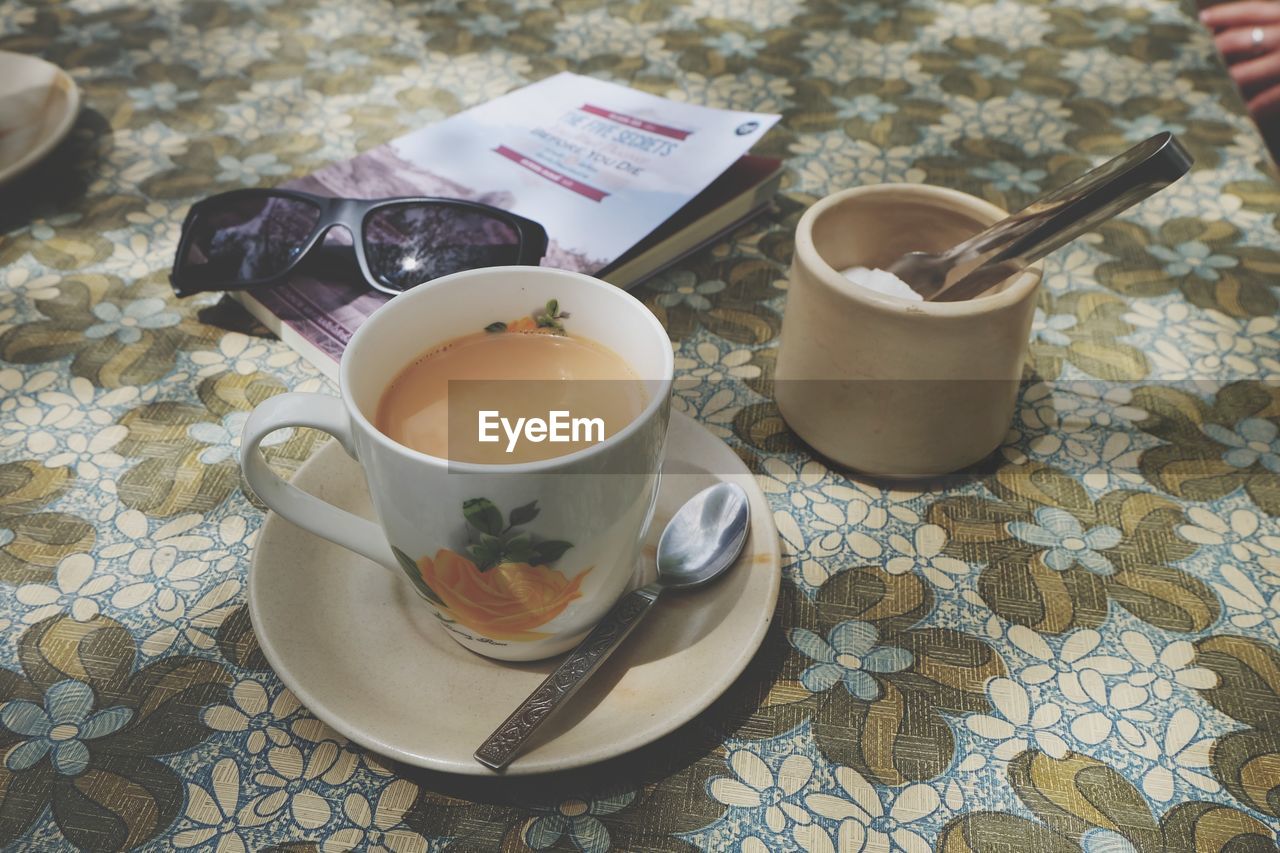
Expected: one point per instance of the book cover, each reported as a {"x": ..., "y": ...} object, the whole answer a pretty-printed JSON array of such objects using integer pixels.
[{"x": 599, "y": 165}]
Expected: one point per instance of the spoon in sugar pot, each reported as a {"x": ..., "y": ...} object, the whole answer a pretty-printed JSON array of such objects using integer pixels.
[{"x": 978, "y": 264}]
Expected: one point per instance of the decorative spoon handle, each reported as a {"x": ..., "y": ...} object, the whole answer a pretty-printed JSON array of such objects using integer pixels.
[
  {"x": 1057, "y": 218},
  {"x": 509, "y": 739}
]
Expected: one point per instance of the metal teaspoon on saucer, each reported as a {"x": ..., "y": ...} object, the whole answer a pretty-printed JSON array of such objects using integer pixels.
[
  {"x": 702, "y": 539},
  {"x": 973, "y": 267}
]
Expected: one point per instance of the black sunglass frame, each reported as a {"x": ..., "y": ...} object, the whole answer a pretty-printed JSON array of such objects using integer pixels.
[{"x": 350, "y": 213}]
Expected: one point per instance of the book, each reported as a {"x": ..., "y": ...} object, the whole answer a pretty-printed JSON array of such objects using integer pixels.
[{"x": 625, "y": 183}]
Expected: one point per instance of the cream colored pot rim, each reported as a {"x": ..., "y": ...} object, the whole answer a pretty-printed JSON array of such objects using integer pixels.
[{"x": 1014, "y": 293}]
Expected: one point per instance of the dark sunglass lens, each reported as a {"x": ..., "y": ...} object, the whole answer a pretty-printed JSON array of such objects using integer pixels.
[
  {"x": 407, "y": 244},
  {"x": 246, "y": 237}
]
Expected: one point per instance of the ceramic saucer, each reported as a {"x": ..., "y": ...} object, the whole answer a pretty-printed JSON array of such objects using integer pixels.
[
  {"x": 38, "y": 105},
  {"x": 366, "y": 656}
]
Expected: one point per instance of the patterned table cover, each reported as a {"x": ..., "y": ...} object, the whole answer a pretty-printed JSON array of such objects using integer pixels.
[{"x": 1072, "y": 646}]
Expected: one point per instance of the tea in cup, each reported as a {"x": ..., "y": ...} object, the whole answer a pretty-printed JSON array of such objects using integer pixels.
[{"x": 449, "y": 403}]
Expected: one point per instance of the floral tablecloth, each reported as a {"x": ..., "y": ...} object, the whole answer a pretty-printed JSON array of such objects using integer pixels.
[{"x": 1072, "y": 646}]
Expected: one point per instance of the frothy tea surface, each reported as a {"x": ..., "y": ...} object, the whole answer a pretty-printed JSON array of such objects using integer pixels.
[{"x": 438, "y": 404}]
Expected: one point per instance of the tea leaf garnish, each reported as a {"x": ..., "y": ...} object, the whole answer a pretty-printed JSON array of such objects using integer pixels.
[{"x": 551, "y": 316}]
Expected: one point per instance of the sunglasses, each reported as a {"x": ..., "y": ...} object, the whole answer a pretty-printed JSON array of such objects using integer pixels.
[{"x": 252, "y": 237}]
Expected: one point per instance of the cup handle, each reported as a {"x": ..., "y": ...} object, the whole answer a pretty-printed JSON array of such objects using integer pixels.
[{"x": 327, "y": 414}]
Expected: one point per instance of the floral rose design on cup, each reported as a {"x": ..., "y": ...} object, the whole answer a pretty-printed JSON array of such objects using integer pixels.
[{"x": 503, "y": 585}]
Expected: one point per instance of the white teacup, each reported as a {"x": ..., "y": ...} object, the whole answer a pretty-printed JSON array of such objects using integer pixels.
[{"x": 600, "y": 499}]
